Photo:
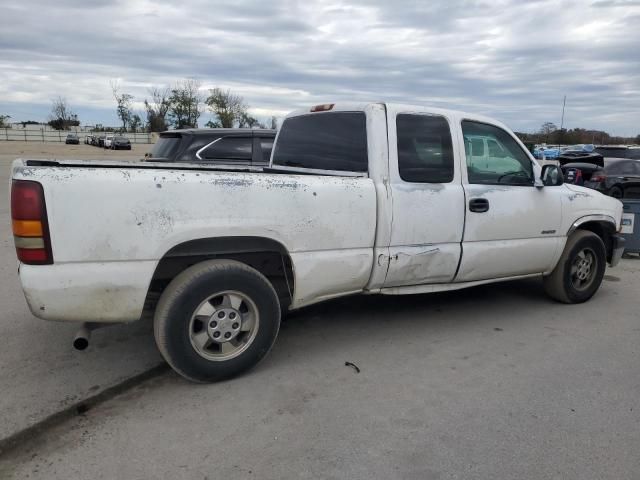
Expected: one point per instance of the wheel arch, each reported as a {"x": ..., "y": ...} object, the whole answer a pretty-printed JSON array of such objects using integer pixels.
[
  {"x": 266, "y": 255},
  {"x": 602, "y": 225}
]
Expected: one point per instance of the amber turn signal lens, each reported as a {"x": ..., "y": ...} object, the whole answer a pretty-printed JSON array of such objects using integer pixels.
[{"x": 27, "y": 228}]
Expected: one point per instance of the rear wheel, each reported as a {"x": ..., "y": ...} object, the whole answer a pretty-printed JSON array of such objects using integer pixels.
[
  {"x": 216, "y": 320},
  {"x": 579, "y": 271}
]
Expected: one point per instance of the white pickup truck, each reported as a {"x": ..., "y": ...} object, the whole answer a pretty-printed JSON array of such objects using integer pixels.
[{"x": 359, "y": 198}]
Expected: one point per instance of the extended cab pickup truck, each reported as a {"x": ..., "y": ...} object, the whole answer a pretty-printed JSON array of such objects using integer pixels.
[{"x": 359, "y": 198}]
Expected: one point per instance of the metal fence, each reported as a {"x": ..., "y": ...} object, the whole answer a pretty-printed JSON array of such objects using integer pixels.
[{"x": 56, "y": 136}]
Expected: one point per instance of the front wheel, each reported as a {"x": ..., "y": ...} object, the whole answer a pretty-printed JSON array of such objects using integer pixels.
[
  {"x": 216, "y": 320},
  {"x": 579, "y": 271}
]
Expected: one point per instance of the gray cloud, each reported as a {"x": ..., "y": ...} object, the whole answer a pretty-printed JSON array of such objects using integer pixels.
[{"x": 509, "y": 59}]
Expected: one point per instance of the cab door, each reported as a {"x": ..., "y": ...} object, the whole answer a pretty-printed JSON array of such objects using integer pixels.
[
  {"x": 512, "y": 227},
  {"x": 427, "y": 198}
]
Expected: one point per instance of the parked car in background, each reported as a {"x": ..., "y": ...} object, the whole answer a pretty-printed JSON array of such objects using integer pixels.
[
  {"x": 88, "y": 139},
  {"x": 580, "y": 156},
  {"x": 619, "y": 151},
  {"x": 120, "y": 143},
  {"x": 108, "y": 140},
  {"x": 223, "y": 146},
  {"x": 618, "y": 178},
  {"x": 549, "y": 153},
  {"x": 72, "y": 139},
  {"x": 101, "y": 140}
]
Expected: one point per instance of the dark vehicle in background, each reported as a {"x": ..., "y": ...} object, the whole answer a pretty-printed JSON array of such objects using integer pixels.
[
  {"x": 101, "y": 140},
  {"x": 120, "y": 143},
  {"x": 618, "y": 178},
  {"x": 72, "y": 139},
  {"x": 88, "y": 140},
  {"x": 224, "y": 146},
  {"x": 580, "y": 156},
  {"x": 619, "y": 151}
]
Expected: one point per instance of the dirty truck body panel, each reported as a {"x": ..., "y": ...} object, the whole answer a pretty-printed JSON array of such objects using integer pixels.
[
  {"x": 439, "y": 205},
  {"x": 108, "y": 236}
]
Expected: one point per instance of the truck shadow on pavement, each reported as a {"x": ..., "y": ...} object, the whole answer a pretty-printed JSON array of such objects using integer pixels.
[{"x": 349, "y": 325}]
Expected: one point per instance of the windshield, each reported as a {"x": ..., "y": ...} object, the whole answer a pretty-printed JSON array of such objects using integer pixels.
[
  {"x": 166, "y": 146},
  {"x": 121, "y": 139}
]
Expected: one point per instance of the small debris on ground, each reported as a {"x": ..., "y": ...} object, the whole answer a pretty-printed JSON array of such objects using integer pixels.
[{"x": 353, "y": 365}]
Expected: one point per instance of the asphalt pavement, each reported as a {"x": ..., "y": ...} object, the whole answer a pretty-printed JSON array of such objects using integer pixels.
[{"x": 40, "y": 372}]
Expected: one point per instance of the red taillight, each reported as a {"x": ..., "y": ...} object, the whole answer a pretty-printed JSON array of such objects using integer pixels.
[
  {"x": 598, "y": 177},
  {"x": 29, "y": 221}
]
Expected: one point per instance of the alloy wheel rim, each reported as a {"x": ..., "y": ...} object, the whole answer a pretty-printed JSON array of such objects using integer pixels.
[
  {"x": 583, "y": 269},
  {"x": 224, "y": 325}
]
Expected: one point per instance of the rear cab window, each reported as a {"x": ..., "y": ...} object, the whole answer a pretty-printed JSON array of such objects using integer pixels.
[{"x": 334, "y": 141}]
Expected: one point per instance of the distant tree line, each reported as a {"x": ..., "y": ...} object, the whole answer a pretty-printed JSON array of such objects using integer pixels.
[
  {"x": 551, "y": 134},
  {"x": 178, "y": 106},
  {"x": 181, "y": 106}
]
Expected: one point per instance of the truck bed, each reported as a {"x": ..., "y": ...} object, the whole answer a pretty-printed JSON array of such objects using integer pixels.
[{"x": 112, "y": 222}]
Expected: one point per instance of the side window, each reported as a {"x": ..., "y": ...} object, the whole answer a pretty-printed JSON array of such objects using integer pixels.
[
  {"x": 425, "y": 150},
  {"x": 627, "y": 168},
  {"x": 266, "y": 144},
  {"x": 494, "y": 157},
  {"x": 229, "y": 148},
  {"x": 477, "y": 147},
  {"x": 614, "y": 168}
]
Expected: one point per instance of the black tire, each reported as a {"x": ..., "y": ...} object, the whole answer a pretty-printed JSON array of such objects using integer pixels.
[
  {"x": 187, "y": 291},
  {"x": 616, "y": 192},
  {"x": 561, "y": 283}
]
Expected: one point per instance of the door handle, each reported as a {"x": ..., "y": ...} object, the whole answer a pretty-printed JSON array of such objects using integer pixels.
[{"x": 479, "y": 205}]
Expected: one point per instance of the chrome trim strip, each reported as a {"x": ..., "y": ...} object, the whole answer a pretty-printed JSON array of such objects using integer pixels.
[
  {"x": 205, "y": 147},
  {"x": 591, "y": 218},
  {"x": 318, "y": 171}
]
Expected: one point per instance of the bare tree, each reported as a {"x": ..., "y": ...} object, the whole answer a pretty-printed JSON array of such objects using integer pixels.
[
  {"x": 135, "y": 122},
  {"x": 61, "y": 116},
  {"x": 3, "y": 121},
  {"x": 158, "y": 108},
  {"x": 547, "y": 129},
  {"x": 123, "y": 101},
  {"x": 247, "y": 121},
  {"x": 228, "y": 109},
  {"x": 185, "y": 104}
]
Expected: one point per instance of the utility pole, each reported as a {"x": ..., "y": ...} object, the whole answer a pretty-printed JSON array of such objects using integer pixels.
[{"x": 564, "y": 101}]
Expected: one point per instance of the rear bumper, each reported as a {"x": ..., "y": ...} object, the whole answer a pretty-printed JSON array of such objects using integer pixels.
[
  {"x": 87, "y": 292},
  {"x": 617, "y": 249}
]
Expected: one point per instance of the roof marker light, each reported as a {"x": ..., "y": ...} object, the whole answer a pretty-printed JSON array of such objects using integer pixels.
[{"x": 322, "y": 108}]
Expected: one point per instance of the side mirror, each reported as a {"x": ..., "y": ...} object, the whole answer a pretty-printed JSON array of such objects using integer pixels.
[{"x": 551, "y": 176}]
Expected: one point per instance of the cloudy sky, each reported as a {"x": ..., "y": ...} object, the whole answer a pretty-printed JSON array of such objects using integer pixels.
[{"x": 510, "y": 59}]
